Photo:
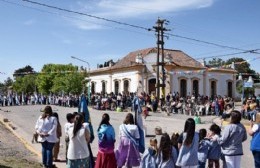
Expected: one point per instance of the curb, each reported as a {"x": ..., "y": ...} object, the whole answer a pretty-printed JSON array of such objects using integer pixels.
[{"x": 24, "y": 142}]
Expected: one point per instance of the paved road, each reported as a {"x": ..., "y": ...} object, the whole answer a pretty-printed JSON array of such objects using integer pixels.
[{"x": 24, "y": 118}]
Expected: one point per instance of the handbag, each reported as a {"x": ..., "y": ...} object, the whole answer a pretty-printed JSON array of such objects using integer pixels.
[{"x": 35, "y": 137}]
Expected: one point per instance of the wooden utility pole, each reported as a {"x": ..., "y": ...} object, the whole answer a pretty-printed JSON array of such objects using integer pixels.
[{"x": 159, "y": 29}]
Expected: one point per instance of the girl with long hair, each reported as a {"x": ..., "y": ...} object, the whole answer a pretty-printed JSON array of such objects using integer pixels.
[
  {"x": 127, "y": 153},
  {"x": 167, "y": 154},
  {"x": 188, "y": 144},
  {"x": 106, "y": 140},
  {"x": 78, "y": 152}
]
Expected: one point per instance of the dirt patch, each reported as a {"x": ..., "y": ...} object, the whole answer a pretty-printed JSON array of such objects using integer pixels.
[{"x": 13, "y": 153}]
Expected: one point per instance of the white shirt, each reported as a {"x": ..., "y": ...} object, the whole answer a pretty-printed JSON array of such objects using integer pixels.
[
  {"x": 78, "y": 147},
  {"x": 66, "y": 128},
  {"x": 132, "y": 129},
  {"x": 47, "y": 125},
  {"x": 255, "y": 128}
]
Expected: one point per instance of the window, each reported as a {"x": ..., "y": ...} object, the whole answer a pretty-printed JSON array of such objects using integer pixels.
[
  {"x": 126, "y": 86},
  {"x": 213, "y": 89},
  {"x": 230, "y": 89},
  {"x": 93, "y": 89},
  {"x": 116, "y": 87},
  {"x": 104, "y": 87},
  {"x": 195, "y": 88},
  {"x": 183, "y": 88}
]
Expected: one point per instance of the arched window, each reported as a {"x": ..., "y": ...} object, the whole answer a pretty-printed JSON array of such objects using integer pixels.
[
  {"x": 230, "y": 89},
  {"x": 213, "y": 88},
  {"x": 195, "y": 87},
  {"x": 116, "y": 87},
  {"x": 93, "y": 88},
  {"x": 104, "y": 87},
  {"x": 183, "y": 87},
  {"x": 126, "y": 86}
]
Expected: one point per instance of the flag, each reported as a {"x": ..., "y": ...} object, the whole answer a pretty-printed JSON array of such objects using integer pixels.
[
  {"x": 139, "y": 122},
  {"x": 83, "y": 108}
]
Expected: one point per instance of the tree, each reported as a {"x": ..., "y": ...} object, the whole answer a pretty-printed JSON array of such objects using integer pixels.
[
  {"x": 57, "y": 78},
  {"x": 25, "y": 84},
  {"x": 23, "y": 71},
  {"x": 216, "y": 62}
]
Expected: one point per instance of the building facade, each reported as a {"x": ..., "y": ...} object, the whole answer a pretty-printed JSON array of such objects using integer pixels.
[{"x": 136, "y": 72}]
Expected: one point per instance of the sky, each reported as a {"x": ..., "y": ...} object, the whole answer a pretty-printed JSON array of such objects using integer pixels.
[{"x": 36, "y": 35}]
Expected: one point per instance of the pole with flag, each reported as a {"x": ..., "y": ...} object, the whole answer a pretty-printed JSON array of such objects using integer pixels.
[{"x": 83, "y": 108}]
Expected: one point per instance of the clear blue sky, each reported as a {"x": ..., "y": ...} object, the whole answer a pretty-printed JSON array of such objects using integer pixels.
[{"x": 34, "y": 35}]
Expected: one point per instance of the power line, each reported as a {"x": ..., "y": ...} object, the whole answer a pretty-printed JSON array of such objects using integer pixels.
[
  {"x": 85, "y": 14},
  {"x": 126, "y": 24}
]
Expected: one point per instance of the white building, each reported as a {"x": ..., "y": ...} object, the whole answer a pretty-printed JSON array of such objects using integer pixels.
[{"x": 136, "y": 72}]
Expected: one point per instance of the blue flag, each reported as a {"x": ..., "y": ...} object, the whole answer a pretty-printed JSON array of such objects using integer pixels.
[
  {"x": 139, "y": 122},
  {"x": 83, "y": 108}
]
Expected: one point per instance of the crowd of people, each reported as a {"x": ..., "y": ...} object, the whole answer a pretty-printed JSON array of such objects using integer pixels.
[{"x": 188, "y": 149}]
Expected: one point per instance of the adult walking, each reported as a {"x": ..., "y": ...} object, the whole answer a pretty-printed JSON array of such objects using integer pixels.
[
  {"x": 231, "y": 140},
  {"x": 127, "y": 153},
  {"x": 188, "y": 144},
  {"x": 106, "y": 143},
  {"x": 254, "y": 131},
  {"x": 46, "y": 127},
  {"x": 78, "y": 152}
]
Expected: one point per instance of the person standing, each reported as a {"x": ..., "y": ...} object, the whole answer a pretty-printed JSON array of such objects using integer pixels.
[
  {"x": 46, "y": 128},
  {"x": 78, "y": 152},
  {"x": 188, "y": 144},
  {"x": 56, "y": 148},
  {"x": 167, "y": 154},
  {"x": 106, "y": 143},
  {"x": 231, "y": 140},
  {"x": 127, "y": 153},
  {"x": 255, "y": 143}
]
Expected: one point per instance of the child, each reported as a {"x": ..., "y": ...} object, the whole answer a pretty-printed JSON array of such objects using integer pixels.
[
  {"x": 174, "y": 141},
  {"x": 203, "y": 148},
  {"x": 70, "y": 120},
  {"x": 158, "y": 134},
  {"x": 215, "y": 149},
  {"x": 150, "y": 155},
  {"x": 56, "y": 148}
]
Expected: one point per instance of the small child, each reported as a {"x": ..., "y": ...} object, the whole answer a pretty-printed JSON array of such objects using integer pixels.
[
  {"x": 215, "y": 149},
  {"x": 150, "y": 155},
  {"x": 158, "y": 134},
  {"x": 203, "y": 148},
  {"x": 70, "y": 120},
  {"x": 174, "y": 141}
]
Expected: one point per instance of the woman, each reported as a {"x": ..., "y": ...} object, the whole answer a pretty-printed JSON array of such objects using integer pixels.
[
  {"x": 78, "y": 152},
  {"x": 106, "y": 140},
  {"x": 188, "y": 144},
  {"x": 46, "y": 127},
  {"x": 255, "y": 142},
  {"x": 127, "y": 152},
  {"x": 231, "y": 140},
  {"x": 167, "y": 154}
]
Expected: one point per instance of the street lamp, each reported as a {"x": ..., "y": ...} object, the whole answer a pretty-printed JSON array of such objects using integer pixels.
[{"x": 88, "y": 73}]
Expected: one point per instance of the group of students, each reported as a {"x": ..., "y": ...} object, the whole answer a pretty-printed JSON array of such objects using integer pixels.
[{"x": 189, "y": 149}]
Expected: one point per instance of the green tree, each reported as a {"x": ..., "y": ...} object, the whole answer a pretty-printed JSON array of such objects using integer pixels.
[
  {"x": 23, "y": 71},
  {"x": 26, "y": 84},
  {"x": 57, "y": 78},
  {"x": 216, "y": 62}
]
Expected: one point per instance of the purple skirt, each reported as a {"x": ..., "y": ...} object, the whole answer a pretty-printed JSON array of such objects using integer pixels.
[{"x": 127, "y": 153}]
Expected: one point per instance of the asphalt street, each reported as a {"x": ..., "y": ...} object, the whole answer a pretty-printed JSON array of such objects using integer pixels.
[{"x": 23, "y": 118}]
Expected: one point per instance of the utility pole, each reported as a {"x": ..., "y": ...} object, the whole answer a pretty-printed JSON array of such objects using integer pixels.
[{"x": 159, "y": 29}]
